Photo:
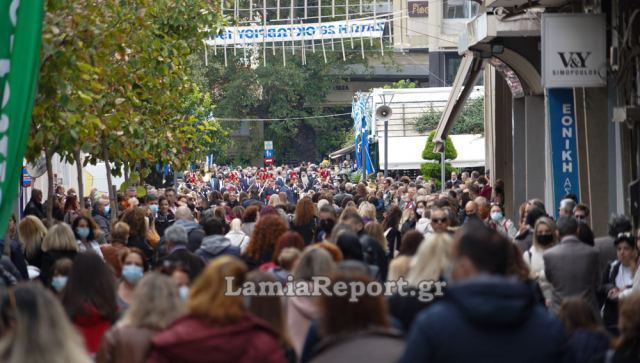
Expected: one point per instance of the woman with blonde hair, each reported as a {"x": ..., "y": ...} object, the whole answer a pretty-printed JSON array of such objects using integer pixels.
[
  {"x": 375, "y": 230},
  {"x": 274, "y": 200},
  {"x": 60, "y": 242},
  {"x": 220, "y": 329},
  {"x": 156, "y": 303},
  {"x": 427, "y": 266},
  {"x": 368, "y": 212},
  {"x": 40, "y": 330},
  {"x": 31, "y": 233}
]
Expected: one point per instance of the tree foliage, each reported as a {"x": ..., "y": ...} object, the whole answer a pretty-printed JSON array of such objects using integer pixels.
[
  {"x": 283, "y": 92},
  {"x": 433, "y": 168},
  {"x": 470, "y": 121},
  {"x": 403, "y": 83},
  {"x": 114, "y": 79}
]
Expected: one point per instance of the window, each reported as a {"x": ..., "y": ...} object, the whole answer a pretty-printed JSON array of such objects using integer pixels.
[
  {"x": 452, "y": 62},
  {"x": 459, "y": 9}
]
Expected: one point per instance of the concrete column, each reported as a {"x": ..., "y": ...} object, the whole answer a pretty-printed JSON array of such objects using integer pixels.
[
  {"x": 596, "y": 162},
  {"x": 534, "y": 160},
  {"x": 518, "y": 152},
  {"x": 502, "y": 159}
]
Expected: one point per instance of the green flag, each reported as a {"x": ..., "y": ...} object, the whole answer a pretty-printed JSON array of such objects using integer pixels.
[{"x": 20, "y": 37}]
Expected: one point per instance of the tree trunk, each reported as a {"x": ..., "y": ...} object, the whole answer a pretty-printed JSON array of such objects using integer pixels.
[
  {"x": 112, "y": 198},
  {"x": 77, "y": 157},
  {"x": 50, "y": 189},
  {"x": 126, "y": 172}
]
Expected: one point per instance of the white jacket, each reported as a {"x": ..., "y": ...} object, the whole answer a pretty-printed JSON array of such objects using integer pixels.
[{"x": 238, "y": 239}]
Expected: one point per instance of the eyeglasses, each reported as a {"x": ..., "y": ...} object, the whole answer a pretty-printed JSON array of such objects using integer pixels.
[{"x": 438, "y": 220}]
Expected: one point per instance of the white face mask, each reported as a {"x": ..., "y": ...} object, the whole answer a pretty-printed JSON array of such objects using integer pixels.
[{"x": 420, "y": 212}]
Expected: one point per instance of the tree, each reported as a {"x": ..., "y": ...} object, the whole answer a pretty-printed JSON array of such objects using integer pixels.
[
  {"x": 284, "y": 92},
  {"x": 403, "y": 83},
  {"x": 433, "y": 169},
  {"x": 470, "y": 121},
  {"x": 115, "y": 84}
]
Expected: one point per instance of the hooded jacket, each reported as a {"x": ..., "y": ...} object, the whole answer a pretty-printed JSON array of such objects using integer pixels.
[
  {"x": 486, "y": 319},
  {"x": 214, "y": 246},
  {"x": 193, "y": 340},
  {"x": 194, "y": 232}
]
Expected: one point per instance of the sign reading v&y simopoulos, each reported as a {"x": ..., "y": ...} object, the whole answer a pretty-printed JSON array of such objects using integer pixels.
[
  {"x": 564, "y": 154},
  {"x": 574, "y": 50}
]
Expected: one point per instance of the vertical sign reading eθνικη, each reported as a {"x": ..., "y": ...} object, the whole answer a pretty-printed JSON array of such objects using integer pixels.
[
  {"x": 20, "y": 36},
  {"x": 564, "y": 151}
]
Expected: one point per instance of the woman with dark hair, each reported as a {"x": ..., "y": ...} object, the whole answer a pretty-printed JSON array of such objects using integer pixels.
[
  {"x": 355, "y": 331},
  {"x": 399, "y": 266},
  {"x": 587, "y": 338},
  {"x": 134, "y": 266},
  {"x": 250, "y": 218},
  {"x": 89, "y": 298},
  {"x": 269, "y": 309},
  {"x": 165, "y": 217},
  {"x": 585, "y": 234},
  {"x": 617, "y": 277},
  {"x": 71, "y": 208},
  {"x": 627, "y": 347},
  {"x": 263, "y": 240},
  {"x": 217, "y": 327},
  {"x": 135, "y": 218},
  {"x": 304, "y": 220},
  {"x": 390, "y": 224},
  {"x": 85, "y": 236}
]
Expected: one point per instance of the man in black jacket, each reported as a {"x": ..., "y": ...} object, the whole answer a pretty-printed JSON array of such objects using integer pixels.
[{"x": 34, "y": 207}]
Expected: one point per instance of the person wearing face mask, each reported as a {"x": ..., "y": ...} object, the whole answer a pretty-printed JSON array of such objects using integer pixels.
[
  {"x": 544, "y": 237},
  {"x": 134, "y": 266},
  {"x": 100, "y": 214},
  {"x": 61, "y": 269},
  {"x": 326, "y": 222},
  {"x": 85, "y": 236},
  {"x": 501, "y": 223}
]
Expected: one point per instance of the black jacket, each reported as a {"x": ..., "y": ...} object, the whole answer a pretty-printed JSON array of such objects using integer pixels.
[
  {"x": 34, "y": 208},
  {"x": 17, "y": 257}
]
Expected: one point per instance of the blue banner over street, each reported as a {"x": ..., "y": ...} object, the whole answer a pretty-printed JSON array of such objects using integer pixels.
[{"x": 564, "y": 154}]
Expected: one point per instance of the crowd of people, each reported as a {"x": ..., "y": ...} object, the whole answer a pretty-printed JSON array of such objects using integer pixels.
[{"x": 146, "y": 278}]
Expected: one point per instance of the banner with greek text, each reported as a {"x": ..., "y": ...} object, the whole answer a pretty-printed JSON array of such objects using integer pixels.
[
  {"x": 20, "y": 37},
  {"x": 298, "y": 32},
  {"x": 563, "y": 137}
]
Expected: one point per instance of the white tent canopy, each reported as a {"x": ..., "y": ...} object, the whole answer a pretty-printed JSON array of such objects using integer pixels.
[{"x": 405, "y": 153}]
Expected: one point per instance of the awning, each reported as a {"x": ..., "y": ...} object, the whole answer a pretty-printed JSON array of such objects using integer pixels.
[
  {"x": 468, "y": 72},
  {"x": 344, "y": 151}
]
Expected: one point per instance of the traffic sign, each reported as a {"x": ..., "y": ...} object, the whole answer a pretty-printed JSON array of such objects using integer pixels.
[
  {"x": 268, "y": 161},
  {"x": 268, "y": 145},
  {"x": 26, "y": 178},
  {"x": 268, "y": 154}
]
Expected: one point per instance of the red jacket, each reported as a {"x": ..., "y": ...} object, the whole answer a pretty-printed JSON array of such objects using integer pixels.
[
  {"x": 92, "y": 326},
  {"x": 193, "y": 340}
]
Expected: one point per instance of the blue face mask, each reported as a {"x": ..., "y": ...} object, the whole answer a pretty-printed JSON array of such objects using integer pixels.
[
  {"x": 184, "y": 292},
  {"x": 154, "y": 208},
  {"x": 83, "y": 232},
  {"x": 496, "y": 216},
  {"x": 132, "y": 273},
  {"x": 106, "y": 210},
  {"x": 59, "y": 282}
]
